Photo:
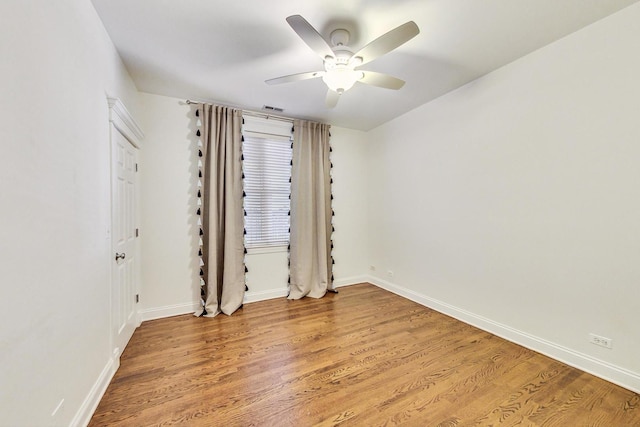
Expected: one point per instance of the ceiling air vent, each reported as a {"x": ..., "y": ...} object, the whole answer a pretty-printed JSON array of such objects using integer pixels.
[{"x": 272, "y": 109}]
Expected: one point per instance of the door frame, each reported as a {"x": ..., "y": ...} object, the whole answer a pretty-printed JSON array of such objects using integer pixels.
[{"x": 121, "y": 121}]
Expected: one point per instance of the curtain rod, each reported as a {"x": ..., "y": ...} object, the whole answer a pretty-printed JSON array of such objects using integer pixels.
[
  {"x": 253, "y": 113},
  {"x": 267, "y": 116}
]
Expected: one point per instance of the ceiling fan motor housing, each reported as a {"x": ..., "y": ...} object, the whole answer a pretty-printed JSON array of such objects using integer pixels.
[{"x": 341, "y": 57}]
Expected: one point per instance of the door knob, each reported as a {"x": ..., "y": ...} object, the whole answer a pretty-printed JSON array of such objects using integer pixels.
[{"x": 120, "y": 256}]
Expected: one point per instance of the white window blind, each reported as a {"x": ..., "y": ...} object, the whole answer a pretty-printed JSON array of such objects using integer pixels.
[{"x": 267, "y": 170}]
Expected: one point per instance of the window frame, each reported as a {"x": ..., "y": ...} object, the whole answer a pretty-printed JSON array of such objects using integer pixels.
[{"x": 276, "y": 131}]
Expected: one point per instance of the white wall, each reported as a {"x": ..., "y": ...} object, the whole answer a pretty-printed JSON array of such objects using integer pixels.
[
  {"x": 351, "y": 238},
  {"x": 170, "y": 240},
  {"x": 513, "y": 202},
  {"x": 169, "y": 170},
  {"x": 58, "y": 64}
]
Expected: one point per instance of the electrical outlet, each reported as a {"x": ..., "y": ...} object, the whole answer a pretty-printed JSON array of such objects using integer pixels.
[{"x": 601, "y": 341}]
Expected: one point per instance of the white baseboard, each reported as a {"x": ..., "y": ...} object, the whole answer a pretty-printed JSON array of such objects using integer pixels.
[
  {"x": 348, "y": 281},
  {"x": 250, "y": 297},
  {"x": 88, "y": 407},
  {"x": 607, "y": 371},
  {"x": 169, "y": 311}
]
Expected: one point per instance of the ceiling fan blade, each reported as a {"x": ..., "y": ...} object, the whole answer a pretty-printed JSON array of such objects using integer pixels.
[
  {"x": 310, "y": 36},
  {"x": 386, "y": 43},
  {"x": 295, "y": 77},
  {"x": 332, "y": 98},
  {"x": 381, "y": 80}
]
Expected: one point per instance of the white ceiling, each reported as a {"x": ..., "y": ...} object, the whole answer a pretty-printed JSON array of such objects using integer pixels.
[{"x": 223, "y": 51}]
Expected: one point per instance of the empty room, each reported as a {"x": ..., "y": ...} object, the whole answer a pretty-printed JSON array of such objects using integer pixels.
[{"x": 357, "y": 212}]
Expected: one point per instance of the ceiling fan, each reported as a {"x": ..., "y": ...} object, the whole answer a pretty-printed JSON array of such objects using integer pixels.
[{"x": 340, "y": 63}]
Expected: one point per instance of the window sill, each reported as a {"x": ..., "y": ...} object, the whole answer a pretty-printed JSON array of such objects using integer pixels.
[{"x": 267, "y": 250}]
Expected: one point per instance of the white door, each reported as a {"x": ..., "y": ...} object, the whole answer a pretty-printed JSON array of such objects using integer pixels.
[{"x": 124, "y": 255}]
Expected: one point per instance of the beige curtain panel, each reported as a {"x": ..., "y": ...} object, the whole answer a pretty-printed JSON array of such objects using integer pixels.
[
  {"x": 222, "y": 232},
  {"x": 311, "y": 228}
]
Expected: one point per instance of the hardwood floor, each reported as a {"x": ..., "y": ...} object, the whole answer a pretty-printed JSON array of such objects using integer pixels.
[{"x": 363, "y": 357}]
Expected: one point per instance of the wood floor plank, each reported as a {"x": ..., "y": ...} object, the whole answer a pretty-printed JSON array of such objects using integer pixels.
[{"x": 363, "y": 357}]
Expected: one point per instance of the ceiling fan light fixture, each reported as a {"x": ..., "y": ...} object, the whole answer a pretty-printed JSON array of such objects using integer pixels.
[{"x": 341, "y": 79}]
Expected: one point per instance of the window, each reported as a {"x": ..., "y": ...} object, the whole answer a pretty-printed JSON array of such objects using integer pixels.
[{"x": 267, "y": 172}]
